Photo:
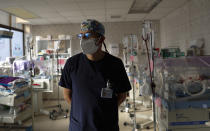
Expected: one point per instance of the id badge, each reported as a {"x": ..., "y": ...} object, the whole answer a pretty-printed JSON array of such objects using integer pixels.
[{"x": 106, "y": 93}]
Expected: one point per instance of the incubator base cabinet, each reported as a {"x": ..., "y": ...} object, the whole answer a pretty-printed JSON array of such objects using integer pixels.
[
  {"x": 15, "y": 100},
  {"x": 5, "y": 117},
  {"x": 182, "y": 94},
  {"x": 185, "y": 129},
  {"x": 171, "y": 119},
  {"x": 40, "y": 86}
]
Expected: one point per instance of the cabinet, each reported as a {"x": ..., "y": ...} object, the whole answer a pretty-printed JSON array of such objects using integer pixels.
[
  {"x": 56, "y": 50},
  {"x": 15, "y": 102}
]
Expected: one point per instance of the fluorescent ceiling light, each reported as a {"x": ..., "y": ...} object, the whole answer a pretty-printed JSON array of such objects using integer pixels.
[
  {"x": 143, "y": 6},
  {"x": 21, "y": 21},
  {"x": 22, "y": 13}
]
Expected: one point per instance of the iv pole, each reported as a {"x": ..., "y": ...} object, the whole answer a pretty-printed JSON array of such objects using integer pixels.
[
  {"x": 134, "y": 95},
  {"x": 60, "y": 111},
  {"x": 32, "y": 97},
  {"x": 147, "y": 37},
  {"x": 136, "y": 127},
  {"x": 57, "y": 63}
]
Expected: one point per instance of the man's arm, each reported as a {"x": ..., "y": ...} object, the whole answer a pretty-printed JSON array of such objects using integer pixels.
[
  {"x": 67, "y": 94},
  {"x": 121, "y": 97}
]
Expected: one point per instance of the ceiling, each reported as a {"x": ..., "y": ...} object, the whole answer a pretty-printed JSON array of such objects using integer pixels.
[{"x": 74, "y": 11}]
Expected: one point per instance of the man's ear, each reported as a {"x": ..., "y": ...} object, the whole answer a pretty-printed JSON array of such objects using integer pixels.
[{"x": 102, "y": 38}]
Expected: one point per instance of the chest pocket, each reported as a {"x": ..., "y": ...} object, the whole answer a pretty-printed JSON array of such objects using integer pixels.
[{"x": 111, "y": 76}]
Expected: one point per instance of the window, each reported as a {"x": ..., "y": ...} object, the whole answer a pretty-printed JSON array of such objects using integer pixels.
[
  {"x": 5, "y": 47},
  {"x": 17, "y": 43}
]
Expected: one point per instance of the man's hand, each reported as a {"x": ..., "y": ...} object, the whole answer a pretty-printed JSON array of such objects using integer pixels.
[
  {"x": 67, "y": 95},
  {"x": 121, "y": 97}
]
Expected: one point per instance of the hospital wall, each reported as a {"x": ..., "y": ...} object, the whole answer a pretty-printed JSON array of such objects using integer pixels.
[
  {"x": 4, "y": 18},
  {"x": 114, "y": 34},
  {"x": 187, "y": 23}
]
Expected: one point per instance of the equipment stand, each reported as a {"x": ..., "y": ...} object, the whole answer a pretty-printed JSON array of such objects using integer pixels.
[
  {"x": 54, "y": 114},
  {"x": 31, "y": 88},
  {"x": 148, "y": 36},
  {"x": 136, "y": 127}
]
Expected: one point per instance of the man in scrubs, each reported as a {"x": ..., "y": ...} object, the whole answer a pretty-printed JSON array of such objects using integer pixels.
[{"x": 95, "y": 83}]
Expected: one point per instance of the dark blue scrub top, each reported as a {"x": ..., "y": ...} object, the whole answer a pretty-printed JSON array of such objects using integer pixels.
[{"x": 90, "y": 112}]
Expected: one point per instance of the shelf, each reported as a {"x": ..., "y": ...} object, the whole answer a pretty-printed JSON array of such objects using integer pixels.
[
  {"x": 62, "y": 54},
  {"x": 5, "y": 117},
  {"x": 13, "y": 100},
  {"x": 8, "y": 66},
  {"x": 53, "y": 39},
  {"x": 55, "y": 54}
]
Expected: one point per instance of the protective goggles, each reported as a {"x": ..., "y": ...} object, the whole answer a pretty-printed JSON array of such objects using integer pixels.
[{"x": 86, "y": 35}]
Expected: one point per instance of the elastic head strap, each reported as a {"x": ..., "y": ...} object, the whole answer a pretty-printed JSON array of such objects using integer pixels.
[{"x": 105, "y": 47}]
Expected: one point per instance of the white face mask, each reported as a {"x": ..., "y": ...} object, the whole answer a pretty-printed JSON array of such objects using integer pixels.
[{"x": 89, "y": 45}]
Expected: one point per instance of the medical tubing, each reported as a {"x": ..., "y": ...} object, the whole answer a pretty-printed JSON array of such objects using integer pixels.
[
  {"x": 145, "y": 40},
  {"x": 151, "y": 84}
]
